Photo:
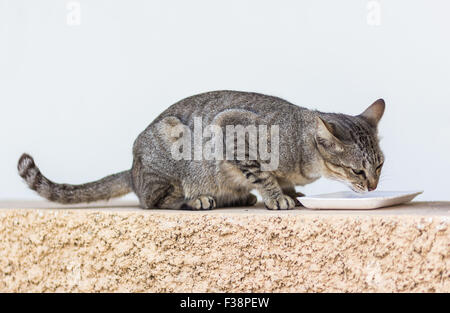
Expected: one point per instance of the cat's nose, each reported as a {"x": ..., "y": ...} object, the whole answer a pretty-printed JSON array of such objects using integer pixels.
[{"x": 372, "y": 185}]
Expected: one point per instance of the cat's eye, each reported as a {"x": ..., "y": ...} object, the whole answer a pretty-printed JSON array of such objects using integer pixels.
[{"x": 359, "y": 172}]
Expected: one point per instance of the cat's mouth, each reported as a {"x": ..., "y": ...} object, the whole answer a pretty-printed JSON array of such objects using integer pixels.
[{"x": 358, "y": 188}]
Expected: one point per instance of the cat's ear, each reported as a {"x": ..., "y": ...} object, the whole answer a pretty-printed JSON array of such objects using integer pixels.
[
  {"x": 374, "y": 112},
  {"x": 325, "y": 137}
]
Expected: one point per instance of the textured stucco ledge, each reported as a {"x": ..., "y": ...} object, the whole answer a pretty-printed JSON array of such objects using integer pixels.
[{"x": 119, "y": 247}]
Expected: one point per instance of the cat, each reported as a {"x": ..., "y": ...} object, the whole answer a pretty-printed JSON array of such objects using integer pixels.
[{"x": 311, "y": 144}]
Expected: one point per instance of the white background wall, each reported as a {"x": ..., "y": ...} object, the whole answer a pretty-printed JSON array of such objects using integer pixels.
[{"x": 76, "y": 96}]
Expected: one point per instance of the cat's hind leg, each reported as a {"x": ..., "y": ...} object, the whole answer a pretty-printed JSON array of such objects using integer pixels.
[
  {"x": 199, "y": 203},
  {"x": 154, "y": 191},
  {"x": 161, "y": 195},
  {"x": 237, "y": 200},
  {"x": 169, "y": 196}
]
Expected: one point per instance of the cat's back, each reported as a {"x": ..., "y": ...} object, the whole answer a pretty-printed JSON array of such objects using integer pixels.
[{"x": 207, "y": 105}]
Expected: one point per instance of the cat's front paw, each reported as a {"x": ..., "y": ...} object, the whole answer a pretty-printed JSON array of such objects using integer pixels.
[
  {"x": 294, "y": 195},
  {"x": 282, "y": 202},
  {"x": 200, "y": 203}
]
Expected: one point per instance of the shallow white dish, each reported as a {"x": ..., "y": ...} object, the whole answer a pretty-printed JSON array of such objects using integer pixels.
[{"x": 351, "y": 200}]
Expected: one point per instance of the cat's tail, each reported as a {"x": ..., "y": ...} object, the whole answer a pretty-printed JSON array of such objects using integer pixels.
[{"x": 115, "y": 185}]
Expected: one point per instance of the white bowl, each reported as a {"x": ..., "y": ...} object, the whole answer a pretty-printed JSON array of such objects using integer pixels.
[{"x": 351, "y": 200}]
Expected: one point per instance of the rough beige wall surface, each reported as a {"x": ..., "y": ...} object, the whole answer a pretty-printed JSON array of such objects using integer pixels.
[{"x": 118, "y": 247}]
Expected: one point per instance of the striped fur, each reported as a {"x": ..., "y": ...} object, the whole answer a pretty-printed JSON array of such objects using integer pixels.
[
  {"x": 109, "y": 187},
  {"x": 312, "y": 144}
]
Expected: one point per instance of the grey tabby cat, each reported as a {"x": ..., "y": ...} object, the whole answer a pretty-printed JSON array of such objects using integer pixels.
[{"x": 311, "y": 144}]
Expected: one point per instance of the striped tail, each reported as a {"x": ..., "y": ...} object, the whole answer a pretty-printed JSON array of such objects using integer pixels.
[{"x": 115, "y": 185}]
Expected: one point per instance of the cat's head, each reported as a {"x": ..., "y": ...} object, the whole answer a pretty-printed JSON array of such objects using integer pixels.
[{"x": 349, "y": 147}]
